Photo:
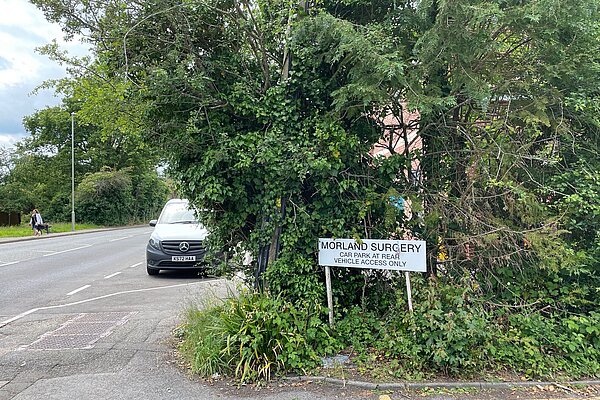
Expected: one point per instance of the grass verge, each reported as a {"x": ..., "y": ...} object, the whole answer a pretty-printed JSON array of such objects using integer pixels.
[{"x": 25, "y": 230}]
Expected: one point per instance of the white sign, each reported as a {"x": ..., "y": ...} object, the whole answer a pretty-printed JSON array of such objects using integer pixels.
[{"x": 400, "y": 255}]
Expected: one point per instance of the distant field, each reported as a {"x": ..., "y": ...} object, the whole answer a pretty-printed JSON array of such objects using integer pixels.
[{"x": 25, "y": 230}]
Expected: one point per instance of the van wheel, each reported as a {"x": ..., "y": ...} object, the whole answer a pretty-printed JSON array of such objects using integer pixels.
[{"x": 152, "y": 271}]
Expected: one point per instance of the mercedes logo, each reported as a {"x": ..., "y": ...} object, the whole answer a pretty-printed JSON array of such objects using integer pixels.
[{"x": 184, "y": 247}]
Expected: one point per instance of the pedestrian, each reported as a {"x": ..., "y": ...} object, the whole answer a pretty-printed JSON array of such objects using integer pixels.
[
  {"x": 39, "y": 223},
  {"x": 32, "y": 222}
]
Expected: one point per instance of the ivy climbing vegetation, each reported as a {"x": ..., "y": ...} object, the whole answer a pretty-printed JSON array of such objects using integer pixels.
[{"x": 272, "y": 114}]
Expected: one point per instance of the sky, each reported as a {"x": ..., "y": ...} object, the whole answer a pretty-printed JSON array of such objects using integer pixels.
[{"x": 22, "y": 29}]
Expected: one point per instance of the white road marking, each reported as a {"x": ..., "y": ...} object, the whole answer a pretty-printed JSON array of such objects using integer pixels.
[
  {"x": 16, "y": 317},
  {"x": 2, "y": 264},
  {"x": 135, "y": 265},
  {"x": 65, "y": 251},
  {"x": 8, "y": 321},
  {"x": 111, "y": 275},
  {"x": 126, "y": 237},
  {"x": 78, "y": 290}
]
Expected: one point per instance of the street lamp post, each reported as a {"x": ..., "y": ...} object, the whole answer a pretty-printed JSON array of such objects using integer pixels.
[{"x": 73, "y": 171}]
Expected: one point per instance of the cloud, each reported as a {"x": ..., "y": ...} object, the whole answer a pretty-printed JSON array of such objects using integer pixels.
[{"x": 23, "y": 28}]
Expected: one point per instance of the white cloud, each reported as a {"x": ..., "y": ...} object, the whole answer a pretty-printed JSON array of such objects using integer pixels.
[
  {"x": 9, "y": 140},
  {"x": 23, "y": 28}
]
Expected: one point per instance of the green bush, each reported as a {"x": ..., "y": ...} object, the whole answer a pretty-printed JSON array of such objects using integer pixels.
[
  {"x": 359, "y": 329},
  {"x": 446, "y": 332},
  {"x": 150, "y": 193},
  {"x": 117, "y": 198},
  {"x": 105, "y": 198},
  {"x": 255, "y": 336},
  {"x": 544, "y": 346},
  {"x": 453, "y": 332},
  {"x": 59, "y": 208}
]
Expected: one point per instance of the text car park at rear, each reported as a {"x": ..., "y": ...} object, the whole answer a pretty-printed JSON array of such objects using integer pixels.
[{"x": 177, "y": 242}]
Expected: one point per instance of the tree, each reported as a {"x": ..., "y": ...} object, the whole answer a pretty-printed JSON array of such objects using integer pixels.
[
  {"x": 105, "y": 198},
  {"x": 498, "y": 87},
  {"x": 497, "y": 127},
  {"x": 38, "y": 174},
  {"x": 6, "y": 163},
  {"x": 25, "y": 185}
]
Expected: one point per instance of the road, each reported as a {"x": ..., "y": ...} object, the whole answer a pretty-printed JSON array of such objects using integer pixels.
[{"x": 79, "y": 317}]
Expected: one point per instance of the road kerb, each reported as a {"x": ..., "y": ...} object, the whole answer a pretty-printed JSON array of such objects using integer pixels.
[{"x": 438, "y": 385}]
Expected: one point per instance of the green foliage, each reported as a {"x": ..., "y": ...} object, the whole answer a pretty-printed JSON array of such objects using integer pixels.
[
  {"x": 577, "y": 197},
  {"x": 544, "y": 346},
  {"x": 359, "y": 330},
  {"x": 255, "y": 336},
  {"x": 202, "y": 341},
  {"x": 24, "y": 229},
  {"x": 150, "y": 193},
  {"x": 38, "y": 174},
  {"x": 119, "y": 197},
  {"x": 446, "y": 332},
  {"x": 452, "y": 333},
  {"x": 104, "y": 198},
  {"x": 31, "y": 182}
]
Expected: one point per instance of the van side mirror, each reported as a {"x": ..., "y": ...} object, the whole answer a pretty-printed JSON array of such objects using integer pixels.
[{"x": 153, "y": 222}]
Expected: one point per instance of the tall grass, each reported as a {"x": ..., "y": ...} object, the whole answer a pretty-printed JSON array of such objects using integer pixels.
[
  {"x": 25, "y": 230},
  {"x": 254, "y": 336}
]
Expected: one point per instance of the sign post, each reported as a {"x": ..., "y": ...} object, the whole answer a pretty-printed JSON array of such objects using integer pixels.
[
  {"x": 399, "y": 255},
  {"x": 408, "y": 291},
  {"x": 329, "y": 293}
]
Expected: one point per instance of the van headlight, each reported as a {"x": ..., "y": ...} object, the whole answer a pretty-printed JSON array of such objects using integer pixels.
[{"x": 154, "y": 243}]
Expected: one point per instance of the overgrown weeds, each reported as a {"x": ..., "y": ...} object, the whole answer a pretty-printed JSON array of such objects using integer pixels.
[
  {"x": 253, "y": 337},
  {"x": 451, "y": 333}
]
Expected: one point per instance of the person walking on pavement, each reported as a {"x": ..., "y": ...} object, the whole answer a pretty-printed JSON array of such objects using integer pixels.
[
  {"x": 32, "y": 222},
  {"x": 39, "y": 223}
]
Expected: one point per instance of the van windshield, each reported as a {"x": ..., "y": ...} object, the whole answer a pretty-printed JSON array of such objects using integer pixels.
[{"x": 178, "y": 213}]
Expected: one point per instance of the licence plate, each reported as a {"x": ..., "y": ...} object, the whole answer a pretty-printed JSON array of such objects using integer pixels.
[{"x": 183, "y": 258}]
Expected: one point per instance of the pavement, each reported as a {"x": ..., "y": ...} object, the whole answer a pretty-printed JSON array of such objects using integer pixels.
[{"x": 565, "y": 386}]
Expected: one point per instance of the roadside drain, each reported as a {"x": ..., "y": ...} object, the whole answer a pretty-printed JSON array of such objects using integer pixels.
[{"x": 80, "y": 332}]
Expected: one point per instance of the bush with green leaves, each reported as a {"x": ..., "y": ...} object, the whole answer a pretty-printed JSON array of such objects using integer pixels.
[
  {"x": 150, "y": 193},
  {"x": 359, "y": 329},
  {"x": 203, "y": 341},
  {"x": 549, "y": 345},
  {"x": 452, "y": 331},
  {"x": 445, "y": 333},
  {"x": 105, "y": 198},
  {"x": 499, "y": 98},
  {"x": 118, "y": 198},
  {"x": 255, "y": 336}
]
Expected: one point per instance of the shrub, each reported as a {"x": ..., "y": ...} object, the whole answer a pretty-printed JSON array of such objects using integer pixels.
[
  {"x": 452, "y": 331},
  {"x": 118, "y": 198},
  {"x": 105, "y": 198},
  {"x": 254, "y": 336},
  {"x": 203, "y": 341},
  {"x": 446, "y": 332},
  {"x": 359, "y": 329},
  {"x": 542, "y": 346}
]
